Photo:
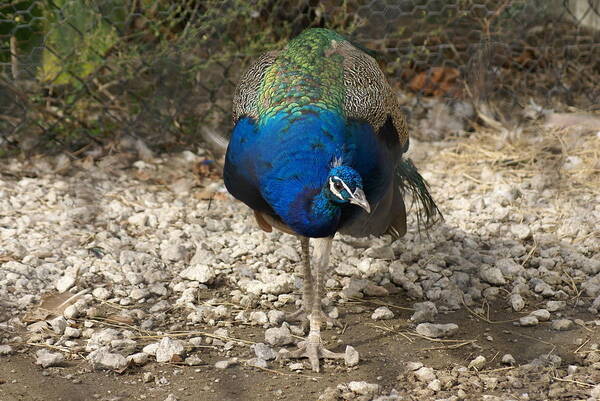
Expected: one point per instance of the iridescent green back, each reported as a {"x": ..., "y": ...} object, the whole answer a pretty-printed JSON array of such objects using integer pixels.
[
  {"x": 303, "y": 75},
  {"x": 319, "y": 69}
]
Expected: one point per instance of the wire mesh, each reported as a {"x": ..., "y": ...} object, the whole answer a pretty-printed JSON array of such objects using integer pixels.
[{"x": 74, "y": 73}]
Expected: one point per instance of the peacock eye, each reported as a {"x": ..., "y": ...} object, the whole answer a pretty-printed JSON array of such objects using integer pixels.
[{"x": 338, "y": 185}]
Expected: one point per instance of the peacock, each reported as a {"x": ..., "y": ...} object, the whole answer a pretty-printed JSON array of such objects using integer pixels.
[{"x": 316, "y": 150}]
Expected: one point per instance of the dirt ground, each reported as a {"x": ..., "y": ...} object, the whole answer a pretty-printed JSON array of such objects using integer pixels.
[
  {"x": 525, "y": 209},
  {"x": 384, "y": 348}
]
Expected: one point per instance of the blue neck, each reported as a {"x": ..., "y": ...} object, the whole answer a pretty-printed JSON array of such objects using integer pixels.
[
  {"x": 312, "y": 214},
  {"x": 293, "y": 160}
]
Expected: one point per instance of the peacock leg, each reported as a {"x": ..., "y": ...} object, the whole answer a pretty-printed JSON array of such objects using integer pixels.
[
  {"x": 312, "y": 348},
  {"x": 308, "y": 294}
]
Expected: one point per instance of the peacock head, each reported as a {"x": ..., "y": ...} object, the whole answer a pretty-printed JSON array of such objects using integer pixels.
[{"x": 344, "y": 185}]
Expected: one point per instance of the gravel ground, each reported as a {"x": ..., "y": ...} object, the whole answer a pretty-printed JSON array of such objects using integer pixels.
[{"x": 142, "y": 279}]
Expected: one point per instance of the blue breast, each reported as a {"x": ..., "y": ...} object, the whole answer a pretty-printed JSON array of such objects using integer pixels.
[{"x": 278, "y": 166}]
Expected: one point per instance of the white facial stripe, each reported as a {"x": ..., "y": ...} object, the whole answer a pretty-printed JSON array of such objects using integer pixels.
[
  {"x": 332, "y": 181},
  {"x": 333, "y": 190}
]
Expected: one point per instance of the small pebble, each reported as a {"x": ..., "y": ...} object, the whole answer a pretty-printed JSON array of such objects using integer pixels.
[
  {"x": 168, "y": 348},
  {"x": 193, "y": 360},
  {"x": 413, "y": 365},
  {"x": 6, "y": 350},
  {"x": 363, "y": 388},
  {"x": 425, "y": 374},
  {"x": 435, "y": 385},
  {"x": 296, "y": 366},
  {"x": 517, "y": 302},
  {"x": 47, "y": 359},
  {"x": 257, "y": 363},
  {"x": 562, "y": 324},
  {"x": 543, "y": 315},
  {"x": 508, "y": 359},
  {"x": 263, "y": 351},
  {"x": 382, "y": 313},
  {"x": 437, "y": 330},
  {"x": 478, "y": 362},
  {"x": 226, "y": 363},
  {"x": 351, "y": 356},
  {"x": 554, "y": 306},
  {"x": 279, "y": 336},
  {"x": 528, "y": 321}
]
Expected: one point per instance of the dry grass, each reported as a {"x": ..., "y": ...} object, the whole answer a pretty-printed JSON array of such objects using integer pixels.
[{"x": 569, "y": 157}]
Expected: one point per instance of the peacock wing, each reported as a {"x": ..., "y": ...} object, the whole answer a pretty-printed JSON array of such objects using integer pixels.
[{"x": 245, "y": 99}]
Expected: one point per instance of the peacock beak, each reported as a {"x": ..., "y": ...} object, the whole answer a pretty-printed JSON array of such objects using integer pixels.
[{"x": 359, "y": 198}]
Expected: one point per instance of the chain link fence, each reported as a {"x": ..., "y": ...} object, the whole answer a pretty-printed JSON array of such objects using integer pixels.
[{"x": 76, "y": 73}]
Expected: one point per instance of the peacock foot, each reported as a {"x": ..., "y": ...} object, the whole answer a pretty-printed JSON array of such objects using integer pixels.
[
  {"x": 312, "y": 349},
  {"x": 301, "y": 316}
]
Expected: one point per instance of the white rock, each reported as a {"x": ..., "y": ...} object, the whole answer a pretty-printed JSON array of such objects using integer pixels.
[
  {"x": 554, "y": 306},
  {"x": 150, "y": 349},
  {"x": 382, "y": 313},
  {"x": 424, "y": 312},
  {"x": 171, "y": 397},
  {"x": 278, "y": 284},
  {"x": 58, "y": 324},
  {"x": 397, "y": 272},
  {"x": 263, "y": 351},
  {"x": 168, "y": 348},
  {"x": 47, "y": 359},
  {"x": 509, "y": 267},
  {"x": 71, "y": 312},
  {"x": 138, "y": 219},
  {"x": 101, "y": 338},
  {"x": 508, "y": 359},
  {"x": 541, "y": 314},
  {"x": 354, "y": 288},
  {"x": 492, "y": 275},
  {"x": 257, "y": 363},
  {"x": 562, "y": 324},
  {"x": 6, "y": 350},
  {"x": 276, "y": 317},
  {"x": 296, "y": 366},
  {"x": 517, "y": 302},
  {"x": 139, "y": 358},
  {"x": 201, "y": 273},
  {"x": 72, "y": 332},
  {"x": 478, "y": 362},
  {"x": 64, "y": 283},
  {"x": 124, "y": 346},
  {"x": 226, "y": 363},
  {"x": 435, "y": 385},
  {"x": 173, "y": 251},
  {"x": 363, "y": 388},
  {"x": 528, "y": 321},
  {"x": 138, "y": 293},
  {"x": 425, "y": 374},
  {"x": 437, "y": 330},
  {"x": 287, "y": 252},
  {"x": 278, "y": 336},
  {"x": 193, "y": 360},
  {"x": 595, "y": 392},
  {"x": 102, "y": 358},
  {"x": 101, "y": 293},
  {"x": 351, "y": 356},
  {"x": 521, "y": 231},
  {"x": 259, "y": 317},
  {"x": 413, "y": 365},
  {"x": 196, "y": 341}
]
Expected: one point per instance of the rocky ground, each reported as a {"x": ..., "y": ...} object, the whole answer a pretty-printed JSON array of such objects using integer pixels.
[{"x": 130, "y": 276}]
